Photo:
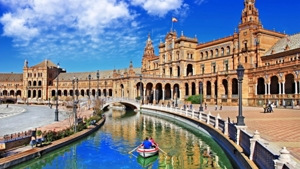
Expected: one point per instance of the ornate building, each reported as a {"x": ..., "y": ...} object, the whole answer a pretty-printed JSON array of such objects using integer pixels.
[{"x": 270, "y": 58}]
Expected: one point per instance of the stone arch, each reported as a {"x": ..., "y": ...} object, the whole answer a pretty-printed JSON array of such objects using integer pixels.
[
  {"x": 228, "y": 50},
  {"x": 29, "y": 93},
  {"x": 122, "y": 90},
  {"x": 225, "y": 85},
  {"x": 39, "y": 94},
  {"x": 11, "y": 92},
  {"x": 19, "y": 93},
  {"x": 158, "y": 95},
  {"x": 289, "y": 84},
  {"x": 139, "y": 89},
  {"x": 261, "y": 85},
  {"x": 178, "y": 71},
  {"x": 52, "y": 93},
  {"x": 34, "y": 83},
  {"x": 234, "y": 86},
  {"x": 59, "y": 93},
  {"x": 206, "y": 54},
  {"x": 29, "y": 83},
  {"x": 222, "y": 51},
  {"x": 34, "y": 93},
  {"x": 217, "y": 52},
  {"x": 94, "y": 92},
  {"x": 168, "y": 94},
  {"x": 193, "y": 88},
  {"x": 149, "y": 92},
  {"x": 211, "y": 53},
  {"x": 176, "y": 93},
  {"x": 274, "y": 87},
  {"x": 201, "y": 55},
  {"x": 65, "y": 92},
  {"x": 186, "y": 85},
  {"x": 82, "y": 92},
  {"x": 40, "y": 83},
  {"x": 208, "y": 88},
  {"x": 189, "y": 70},
  {"x": 4, "y": 92}
]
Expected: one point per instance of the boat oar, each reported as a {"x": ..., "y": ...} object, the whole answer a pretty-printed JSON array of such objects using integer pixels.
[
  {"x": 162, "y": 150},
  {"x": 133, "y": 149}
]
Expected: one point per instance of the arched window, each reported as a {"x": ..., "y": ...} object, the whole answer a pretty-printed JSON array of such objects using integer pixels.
[{"x": 201, "y": 55}]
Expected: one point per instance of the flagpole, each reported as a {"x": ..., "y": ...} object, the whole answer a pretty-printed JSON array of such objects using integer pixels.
[{"x": 172, "y": 24}]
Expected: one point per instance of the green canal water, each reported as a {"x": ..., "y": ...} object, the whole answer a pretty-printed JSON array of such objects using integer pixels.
[{"x": 186, "y": 147}]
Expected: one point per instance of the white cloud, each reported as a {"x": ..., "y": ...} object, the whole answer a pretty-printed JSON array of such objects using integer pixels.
[
  {"x": 199, "y": 2},
  {"x": 158, "y": 7}
]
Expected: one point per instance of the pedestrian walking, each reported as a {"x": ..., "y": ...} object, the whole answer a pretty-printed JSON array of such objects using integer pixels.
[
  {"x": 205, "y": 106},
  {"x": 216, "y": 107},
  {"x": 221, "y": 106}
]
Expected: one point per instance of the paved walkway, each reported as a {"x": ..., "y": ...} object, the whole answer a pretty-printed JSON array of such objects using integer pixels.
[{"x": 280, "y": 129}]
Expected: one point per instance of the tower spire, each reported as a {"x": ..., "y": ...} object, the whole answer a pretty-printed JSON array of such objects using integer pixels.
[{"x": 250, "y": 14}]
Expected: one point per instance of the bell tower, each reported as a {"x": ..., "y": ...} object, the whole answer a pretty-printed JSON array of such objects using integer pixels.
[
  {"x": 148, "y": 54},
  {"x": 250, "y": 15}
]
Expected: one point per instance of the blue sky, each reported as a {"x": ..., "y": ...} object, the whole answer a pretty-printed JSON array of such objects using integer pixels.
[{"x": 95, "y": 35}]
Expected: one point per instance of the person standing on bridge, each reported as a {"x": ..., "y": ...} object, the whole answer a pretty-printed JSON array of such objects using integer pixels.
[{"x": 7, "y": 106}]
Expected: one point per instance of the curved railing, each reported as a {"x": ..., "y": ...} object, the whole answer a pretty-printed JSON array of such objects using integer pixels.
[{"x": 252, "y": 145}]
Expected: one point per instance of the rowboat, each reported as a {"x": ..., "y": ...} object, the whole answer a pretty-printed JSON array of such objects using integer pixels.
[
  {"x": 146, "y": 162},
  {"x": 147, "y": 152}
]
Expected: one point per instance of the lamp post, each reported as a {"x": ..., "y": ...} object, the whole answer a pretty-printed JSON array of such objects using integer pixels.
[
  {"x": 240, "y": 73},
  {"x": 77, "y": 91},
  {"x": 16, "y": 92},
  {"x": 141, "y": 78},
  {"x": 105, "y": 88},
  {"x": 89, "y": 90},
  {"x": 27, "y": 88},
  {"x": 176, "y": 91},
  {"x": 201, "y": 87},
  {"x": 56, "y": 109},
  {"x": 98, "y": 75},
  {"x": 74, "y": 104},
  {"x": 156, "y": 95}
]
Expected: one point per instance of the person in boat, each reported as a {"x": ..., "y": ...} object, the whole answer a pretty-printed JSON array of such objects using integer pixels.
[
  {"x": 147, "y": 144},
  {"x": 152, "y": 141}
]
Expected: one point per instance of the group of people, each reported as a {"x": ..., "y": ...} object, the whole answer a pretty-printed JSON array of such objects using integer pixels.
[
  {"x": 148, "y": 143},
  {"x": 268, "y": 108}
]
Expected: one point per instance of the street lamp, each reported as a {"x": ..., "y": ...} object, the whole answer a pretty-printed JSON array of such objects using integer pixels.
[
  {"x": 176, "y": 91},
  {"x": 240, "y": 73},
  {"x": 89, "y": 90},
  {"x": 98, "y": 75},
  {"x": 105, "y": 88},
  {"x": 74, "y": 104},
  {"x": 201, "y": 87},
  {"x": 141, "y": 78},
  {"x": 27, "y": 88},
  {"x": 16, "y": 92},
  {"x": 77, "y": 91},
  {"x": 156, "y": 95},
  {"x": 56, "y": 110}
]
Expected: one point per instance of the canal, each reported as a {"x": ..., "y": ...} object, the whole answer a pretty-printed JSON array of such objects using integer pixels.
[{"x": 185, "y": 146}]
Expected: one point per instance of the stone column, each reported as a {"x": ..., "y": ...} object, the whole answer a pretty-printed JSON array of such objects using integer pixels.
[
  {"x": 172, "y": 95},
  {"x": 269, "y": 88},
  {"x": 163, "y": 92},
  {"x": 197, "y": 88},
  {"x": 144, "y": 94},
  {"x": 283, "y": 90},
  {"x": 279, "y": 85},
  {"x": 255, "y": 89},
  {"x": 154, "y": 94},
  {"x": 266, "y": 89},
  {"x": 296, "y": 87},
  {"x": 193, "y": 71},
  {"x": 179, "y": 94}
]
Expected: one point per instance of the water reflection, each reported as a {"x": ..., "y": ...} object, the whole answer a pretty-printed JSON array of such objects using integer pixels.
[{"x": 186, "y": 147}]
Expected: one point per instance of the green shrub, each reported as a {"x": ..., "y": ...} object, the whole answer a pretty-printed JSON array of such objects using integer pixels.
[
  {"x": 195, "y": 99},
  {"x": 138, "y": 98}
]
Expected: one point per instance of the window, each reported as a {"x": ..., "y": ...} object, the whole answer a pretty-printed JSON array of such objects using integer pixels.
[
  {"x": 214, "y": 69},
  {"x": 246, "y": 60},
  {"x": 203, "y": 70}
]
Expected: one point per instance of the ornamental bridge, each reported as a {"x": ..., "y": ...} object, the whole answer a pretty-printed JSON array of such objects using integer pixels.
[{"x": 131, "y": 103}]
